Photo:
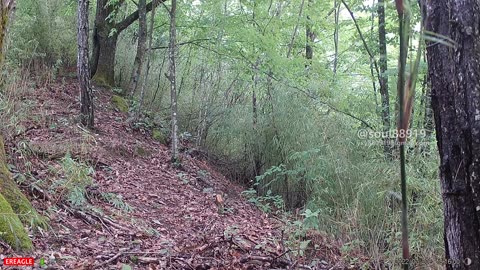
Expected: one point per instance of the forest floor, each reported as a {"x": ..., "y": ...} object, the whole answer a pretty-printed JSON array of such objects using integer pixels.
[{"x": 170, "y": 219}]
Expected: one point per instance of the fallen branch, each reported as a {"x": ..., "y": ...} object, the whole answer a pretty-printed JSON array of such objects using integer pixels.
[
  {"x": 273, "y": 261},
  {"x": 112, "y": 259}
]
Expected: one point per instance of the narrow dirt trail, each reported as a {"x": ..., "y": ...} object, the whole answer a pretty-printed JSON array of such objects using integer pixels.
[{"x": 174, "y": 221}]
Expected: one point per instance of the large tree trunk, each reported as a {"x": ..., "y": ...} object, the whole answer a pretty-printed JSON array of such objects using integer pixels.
[
  {"x": 15, "y": 209},
  {"x": 105, "y": 37},
  {"x": 86, "y": 109},
  {"x": 454, "y": 73},
  {"x": 104, "y": 45},
  {"x": 105, "y": 61}
]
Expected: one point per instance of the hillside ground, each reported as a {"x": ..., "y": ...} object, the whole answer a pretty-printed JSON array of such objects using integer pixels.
[{"x": 136, "y": 210}]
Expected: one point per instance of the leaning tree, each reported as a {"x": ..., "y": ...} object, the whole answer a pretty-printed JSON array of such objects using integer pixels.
[{"x": 454, "y": 73}]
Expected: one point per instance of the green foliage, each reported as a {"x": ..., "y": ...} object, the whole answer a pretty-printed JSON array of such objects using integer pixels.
[
  {"x": 75, "y": 178},
  {"x": 184, "y": 178},
  {"x": 116, "y": 201},
  {"x": 43, "y": 31},
  {"x": 160, "y": 136},
  {"x": 268, "y": 203}
]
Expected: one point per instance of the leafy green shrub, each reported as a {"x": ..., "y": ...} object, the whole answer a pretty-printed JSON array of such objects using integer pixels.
[{"x": 43, "y": 31}]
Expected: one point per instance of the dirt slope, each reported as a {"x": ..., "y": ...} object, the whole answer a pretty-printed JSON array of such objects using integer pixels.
[{"x": 174, "y": 222}]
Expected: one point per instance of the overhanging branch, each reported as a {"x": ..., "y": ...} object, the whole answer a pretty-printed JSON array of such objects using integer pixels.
[
  {"x": 134, "y": 16},
  {"x": 182, "y": 43}
]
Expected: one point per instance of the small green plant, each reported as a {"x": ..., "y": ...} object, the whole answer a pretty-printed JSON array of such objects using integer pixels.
[
  {"x": 75, "y": 178},
  {"x": 268, "y": 203},
  {"x": 117, "y": 201},
  {"x": 183, "y": 177},
  {"x": 310, "y": 220},
  {"x": 203, "y": 174}
]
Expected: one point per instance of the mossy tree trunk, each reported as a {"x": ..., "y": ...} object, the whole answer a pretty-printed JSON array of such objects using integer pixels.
[{"x": 14, "y": 206}]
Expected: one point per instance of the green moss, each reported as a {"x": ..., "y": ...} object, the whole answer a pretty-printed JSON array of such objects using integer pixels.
[
  {"x": 142, "y": 152},
  {"x": 11, "y": 228},
  {"x": 101, "y": 80},
  {"x": 159, "y": 136},
  {"x": 14, "y": 196},
  {"x": 120, "y": 103}
]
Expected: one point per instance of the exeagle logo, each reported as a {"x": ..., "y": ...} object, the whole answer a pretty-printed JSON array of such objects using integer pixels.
[{"x": 18, "y": 261}]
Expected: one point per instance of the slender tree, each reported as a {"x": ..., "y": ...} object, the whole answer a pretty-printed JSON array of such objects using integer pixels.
[
  {"x": 172, "y": 78},
  {"x": 141, "y": 46},
  {"x": 336, "y": 35},
  {"x": 83, "y": 66},
  {"x": 295, "y": 30},
  {"x": 454, "y": 73},
  {"x": 309, "y": 35},
  {"x": 383, "y": 76},
  {"x": 149, "y": 58},
  {"x": 403, "y": 120}
]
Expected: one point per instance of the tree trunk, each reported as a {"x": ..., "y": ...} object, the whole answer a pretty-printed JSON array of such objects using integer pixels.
[
  {"x": 104, "y": 45},
  {"x": 86, "y": 109},
  {"x": 310, "y": 37},
  {"x": 257, "y": 155},
  {"x": 295, "y": 30},
  {"x": 383, "y": 77},
  {"x": 15, "y": 209},
  {"x": 14, "y": 206},
  {"x": 147, "y": 72},
  {"x": 142, "y": 39},
  {"x": 172, "y": 78},
  {"x": 454, "y": 74},
  {"x": 105, "y": 37},
  {"x": 336, "y": 36},
  {"x": 105, "y": 61}
]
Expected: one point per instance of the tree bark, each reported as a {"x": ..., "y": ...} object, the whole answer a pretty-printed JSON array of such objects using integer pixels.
[
  {"x": 454, "y": 74},
  {"x": 172, "y": 77},
  {"x": 105, "y": 37},
  {"x": 295, "y": 30},
  {"x": 15, "y": 208},
  {"x": 149, "y": 57},
  {"x": 383, "y": 77},
  {"x": 104, "y": 44},
  {"x": 310, "y": 37},
  {"x": 336, "y": 36},
  {"x": 83, "y": 67},
  {"x": 141, "y": 46}
]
